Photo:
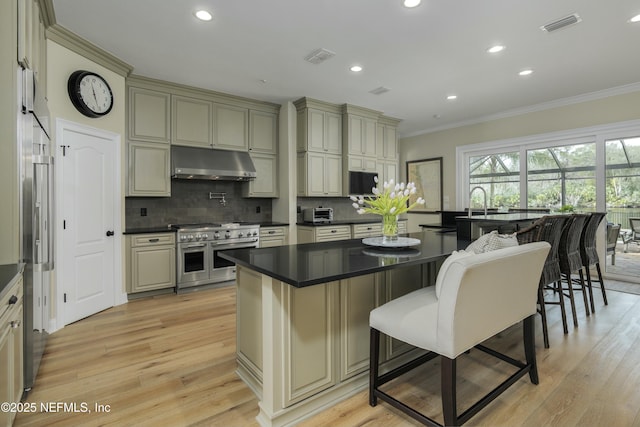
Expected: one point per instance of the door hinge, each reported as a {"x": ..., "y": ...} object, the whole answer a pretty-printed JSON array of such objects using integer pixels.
[
  {"x": 64, "y": 149},
  {"x": 65, "y": 297},
  {"x": 64, "y": 224}
]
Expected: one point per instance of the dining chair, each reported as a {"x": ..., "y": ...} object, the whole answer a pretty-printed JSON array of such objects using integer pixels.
[
  {"x": 613, "y": 233},
  {"x": 547, "y": 229},
  {"x": 571, "y": 262},
  {"x": 589, "y": 254},
  {"x": 476, "y": 296}
]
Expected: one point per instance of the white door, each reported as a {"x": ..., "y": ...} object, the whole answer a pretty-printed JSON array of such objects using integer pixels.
[{"x": 88, "y": 221}]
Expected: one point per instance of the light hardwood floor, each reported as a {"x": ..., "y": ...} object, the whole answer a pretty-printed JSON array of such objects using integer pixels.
[{"x": 170, "y": 361}]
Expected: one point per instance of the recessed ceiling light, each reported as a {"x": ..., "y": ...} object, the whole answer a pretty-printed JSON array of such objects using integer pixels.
[
  {"x": 203, "y": 15},
  {"x": 495, "y": 49},
  {"x": 411, "y": 3},
  {"x": 452, "y": 97},
  {"x": 635, "y": 19},
  {"x": 525, "y": 72},
  {"x": 356, "y": 68}
]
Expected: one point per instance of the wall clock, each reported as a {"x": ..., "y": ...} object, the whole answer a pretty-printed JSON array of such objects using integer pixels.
[{"x": 90, "y": 93}]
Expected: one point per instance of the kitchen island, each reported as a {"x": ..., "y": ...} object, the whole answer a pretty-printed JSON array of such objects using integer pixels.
[
  {"x": 303, "y": 317},
  {"x": 474, "y": 227}
]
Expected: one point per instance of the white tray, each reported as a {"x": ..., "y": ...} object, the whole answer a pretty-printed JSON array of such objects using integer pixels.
[{"x": 402, "y": 242}]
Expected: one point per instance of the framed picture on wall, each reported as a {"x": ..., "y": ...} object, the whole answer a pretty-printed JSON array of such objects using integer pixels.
[{"x": 426, "y": 174}]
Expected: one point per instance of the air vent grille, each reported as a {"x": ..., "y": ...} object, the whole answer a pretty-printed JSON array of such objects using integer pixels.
[
  {"x": 379, "y": 90},
  {"x": 561, "y": 23},
  {"x": 319, "y": 55}
]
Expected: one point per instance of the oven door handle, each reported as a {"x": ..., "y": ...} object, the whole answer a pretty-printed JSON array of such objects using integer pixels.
[
  {"x": 196, "y": 246},
  {"x": 240, "y": 245}
]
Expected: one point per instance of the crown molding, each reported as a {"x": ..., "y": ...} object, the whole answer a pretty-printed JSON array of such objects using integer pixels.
[
  {"x": 47, "y": 13},
  {"x": 563, "y": 102},
  {"x": 77, "y": 44}
]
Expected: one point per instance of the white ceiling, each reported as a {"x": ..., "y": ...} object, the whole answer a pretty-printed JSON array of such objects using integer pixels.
[{"x": 421, "y": 54}]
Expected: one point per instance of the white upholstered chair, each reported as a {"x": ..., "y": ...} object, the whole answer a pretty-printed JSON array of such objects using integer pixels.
[{"x": 476, "y": 296}]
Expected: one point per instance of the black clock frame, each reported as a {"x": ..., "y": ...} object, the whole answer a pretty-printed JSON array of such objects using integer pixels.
[{"x": 73, "y": 87}]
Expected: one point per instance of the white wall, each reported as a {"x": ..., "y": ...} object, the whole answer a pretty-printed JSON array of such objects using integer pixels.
[{"x": 443, "y": 144}]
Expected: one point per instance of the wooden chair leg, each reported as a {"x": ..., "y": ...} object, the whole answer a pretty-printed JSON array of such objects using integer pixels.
[
  {"x": 590, "y": 289},
  {"x": 571, "y": 299},
  {"x": 563, "y": 309},
  {"x": 448, "y": 386},
  {"x": 604, "y": 293},
  {"x": 543, "y": 315},
  {"x": 374, "y": 355},
  {"x": 529, "y": 332},
  {"x": 583, "y": 286}
]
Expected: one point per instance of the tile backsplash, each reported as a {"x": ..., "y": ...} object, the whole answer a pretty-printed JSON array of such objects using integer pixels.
[
  {"x": 190, "y": 203},
  {"x": 342, "y": 208}
]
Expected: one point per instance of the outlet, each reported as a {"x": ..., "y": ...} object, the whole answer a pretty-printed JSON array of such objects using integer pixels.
[
  {"x": 299, "y": 209},
  {"x": 257, "y": 209},
  {"x": 143, "y": 211}
]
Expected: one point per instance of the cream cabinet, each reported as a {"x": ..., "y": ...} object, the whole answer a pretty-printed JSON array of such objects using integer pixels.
[
  {"x": 387, "y": 138},
  {"x": 149, "y": 115},
  {"x": 231, "y": 127},
  {"x": 360, "y": 134},
  {"x": 191, "y": 121},
  {"x": 148, "y": 172},
  {"x": 319, "y": 126},
  {"x": 323, "y": 233},
  {"x": 266, "y": 183},
  {"x": 263, "y": 132},
  {"x": 32, "y": 46},
  {"x": 387, "y": 170},
  {"x": 319, "y": 175},
  {"x": 11, "y": 348},
  {"x": 151, "y": 261},
  {"x": 366, "y": 230},
  {"x": 274, "y": 236}
]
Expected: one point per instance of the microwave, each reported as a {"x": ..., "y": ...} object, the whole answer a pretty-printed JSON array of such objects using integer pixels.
[
  {"x": 317, "y": 215},
  {"x": 361, "y": 183}
]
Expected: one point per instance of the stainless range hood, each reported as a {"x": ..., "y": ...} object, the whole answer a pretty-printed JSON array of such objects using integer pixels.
[{"x": 210, "y": 164}]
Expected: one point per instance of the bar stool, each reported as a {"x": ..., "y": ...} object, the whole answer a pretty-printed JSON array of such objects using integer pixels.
[
  {"x": 475, "y": 297},
  {"x": 589, "y": 254},
  {"x": 571, "y": 262}
]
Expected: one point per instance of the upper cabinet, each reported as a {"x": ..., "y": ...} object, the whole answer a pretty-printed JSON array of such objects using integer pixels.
[
  {"x": 149, "y": 115},
  {"x": 387, "y": 138},
  {"x": 263, "y": 132},
  {"x": 360, "y": 126},
  {"x": 231, "y": 127},
  {"x": 31, "y": 51},
  {"x": 191, "y": 121},
  {"x": 319, "y": 126}
]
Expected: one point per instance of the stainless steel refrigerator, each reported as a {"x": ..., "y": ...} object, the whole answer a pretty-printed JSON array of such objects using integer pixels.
[{"x": 36, "y": 194}]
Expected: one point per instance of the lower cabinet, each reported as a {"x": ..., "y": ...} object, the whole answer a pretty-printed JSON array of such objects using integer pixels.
[
  {"x": 274, "y": 236},
  {"x": 323, "y": 233},
  {"x": 11, "y": 349},
  {"x": 151, "y": 262}
]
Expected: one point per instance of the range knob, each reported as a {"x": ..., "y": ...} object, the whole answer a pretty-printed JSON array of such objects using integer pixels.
[
  {"x": 183, "y": 238},
  {"x": 227, "y": 235},
  {"x": 216, "y": 235},
  {"x": 190, "y": 237},
  {"x": 240, "y": 235},
  {"x": 196, "y": 237},
  {"x": 255, "y": 233},
  {"x": 204, "y": 236}
]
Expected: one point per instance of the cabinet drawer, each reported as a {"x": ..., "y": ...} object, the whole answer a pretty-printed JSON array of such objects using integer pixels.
[
  {"x": 333, "y": 233},
  {"x": 7, "y": 311},
  {"x": 153, "y": 239},
  {"x": 374, "y": 228},
  {"x": 272, "y": 232}
]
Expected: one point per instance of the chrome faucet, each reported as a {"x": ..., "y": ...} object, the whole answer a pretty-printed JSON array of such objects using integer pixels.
[{"x": 485, "y": 200}]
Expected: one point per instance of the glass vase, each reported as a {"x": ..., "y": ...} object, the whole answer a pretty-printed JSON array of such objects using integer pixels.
[{"x": 389, "y": 228}]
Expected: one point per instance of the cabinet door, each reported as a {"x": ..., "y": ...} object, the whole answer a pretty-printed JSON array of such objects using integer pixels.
[
  {"x": 390, "y": 143},
  {"x": 333, "y": 176},
  {"x": 399, "y": 282},
  {"x": 149, "y": 115},
  {"x": 357, "y": 299},
  {"x": 191, "y": 121},
  {"x": 231, "y": 127},
  {"x": 315, "y": 130},
  {"x": 309, "y": 348},
  {"x": 17, "y": 334},
  {"x": 315, "y": 174},
  {"x": 6, "y": 372},
  {"x": 148, "y": 171},
  {"x": 333, "y": 133},
  {"x": 263, "y": 132},
  {"x": 153, "y": 268},
  {"x": 387, "y": 170},
  {"x": 266, "y": 184},
  {"x": 369, "y": 137},
  {"x": 355, "y": 135}
]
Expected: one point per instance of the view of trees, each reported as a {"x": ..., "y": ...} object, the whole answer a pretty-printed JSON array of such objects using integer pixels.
[{"x": 560, "y": 176}]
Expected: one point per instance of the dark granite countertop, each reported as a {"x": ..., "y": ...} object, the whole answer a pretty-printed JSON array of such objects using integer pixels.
[
  {"x": 343, "y": 222},
  {"x": 145, "y": 230},
  {"x": 9, "y": 273},
  {"x": 313, "y": 263},
  {"x": 505, "y": 217}
]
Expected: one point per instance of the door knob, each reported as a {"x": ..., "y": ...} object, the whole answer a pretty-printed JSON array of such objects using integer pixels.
[{"x": 110, "y": 233}]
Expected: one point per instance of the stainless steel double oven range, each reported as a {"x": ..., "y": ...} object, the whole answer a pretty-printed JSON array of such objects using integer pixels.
[{"x": 198, "y": 249}]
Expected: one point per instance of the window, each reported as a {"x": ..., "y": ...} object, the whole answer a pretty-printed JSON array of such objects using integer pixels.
[{"x": 499, "y": 175}]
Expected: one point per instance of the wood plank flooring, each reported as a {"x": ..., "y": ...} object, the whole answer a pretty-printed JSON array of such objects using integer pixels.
[{"x": 170, "y": 361}]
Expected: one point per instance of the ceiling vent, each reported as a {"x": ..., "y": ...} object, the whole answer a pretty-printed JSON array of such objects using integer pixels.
[
  {"x": 319, "y": 55},
  {"x": 561, "y": 23},
  {"x": 379, "y": 90}
]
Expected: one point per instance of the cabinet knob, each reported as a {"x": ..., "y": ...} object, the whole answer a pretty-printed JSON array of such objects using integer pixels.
[
  {"x": 14, "y": 324},
  {"x": 13, "y": 299},
  {"x": 154, "y": 240},
  {"x": 110, "y": 233}
]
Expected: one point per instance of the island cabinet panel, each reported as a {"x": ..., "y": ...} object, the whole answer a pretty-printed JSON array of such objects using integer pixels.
[
  {"x": 11, "y": 349},
  {"x": 399, "y": 282},
  {"x": 358, "y": 296},
  {"x": 191, "y": 122},
  {"x": 249, "y": 321},
  {"x": 308, "y": 341},
  {"x": 149, "y": 115}
]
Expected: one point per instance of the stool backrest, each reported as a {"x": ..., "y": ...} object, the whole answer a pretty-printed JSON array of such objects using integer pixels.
[{"x": 486, "y": 293}]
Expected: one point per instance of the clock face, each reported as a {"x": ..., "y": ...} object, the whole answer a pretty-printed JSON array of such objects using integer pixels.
[{"x": 90, "y": 93}]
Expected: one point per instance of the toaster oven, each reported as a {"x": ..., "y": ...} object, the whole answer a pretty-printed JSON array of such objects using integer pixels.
[{"x": 317, "y": 215}]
